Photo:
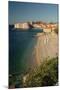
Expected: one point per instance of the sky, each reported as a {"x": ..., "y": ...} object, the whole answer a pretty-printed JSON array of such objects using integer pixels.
[{"x": 23, "y": 12}]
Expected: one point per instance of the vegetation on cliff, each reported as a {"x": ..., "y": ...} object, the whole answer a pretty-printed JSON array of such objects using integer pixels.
[
  {"x": 44, "y": 75},
  {"x": 56, "y": 30}
]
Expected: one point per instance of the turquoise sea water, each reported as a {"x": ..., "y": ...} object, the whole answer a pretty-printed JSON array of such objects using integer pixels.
[{"x": 21, "y": 43}]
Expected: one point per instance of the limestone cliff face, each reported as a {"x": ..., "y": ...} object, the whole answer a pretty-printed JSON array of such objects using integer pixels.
[
  {"x": 46, "y": 47},
  {"x": 41, "y": 47}
]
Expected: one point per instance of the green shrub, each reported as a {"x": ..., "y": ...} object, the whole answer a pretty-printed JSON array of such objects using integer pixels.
[
  {"x": 45, "y": 75},
  {"x": 56, "y": 30}
]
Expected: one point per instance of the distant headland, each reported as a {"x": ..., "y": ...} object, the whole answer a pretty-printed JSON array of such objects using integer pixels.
[{"x": 47, "y": 27}]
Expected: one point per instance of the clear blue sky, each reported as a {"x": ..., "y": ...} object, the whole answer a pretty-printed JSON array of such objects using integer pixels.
[{"x": 21, "y": 12}]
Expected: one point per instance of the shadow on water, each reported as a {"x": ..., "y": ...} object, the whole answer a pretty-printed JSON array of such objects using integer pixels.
[{"x": 21, "y": 44}]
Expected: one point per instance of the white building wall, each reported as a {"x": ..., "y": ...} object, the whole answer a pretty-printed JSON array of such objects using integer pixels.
[{"x": 22, "y": 25}]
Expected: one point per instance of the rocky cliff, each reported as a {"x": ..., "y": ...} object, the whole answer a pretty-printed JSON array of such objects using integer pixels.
[{"x": 41, "y": 47}]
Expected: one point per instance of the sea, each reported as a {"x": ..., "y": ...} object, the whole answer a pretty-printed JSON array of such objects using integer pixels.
[{"x": 21, "y": 44}]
